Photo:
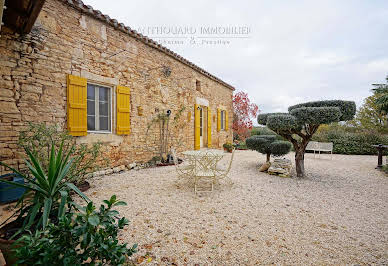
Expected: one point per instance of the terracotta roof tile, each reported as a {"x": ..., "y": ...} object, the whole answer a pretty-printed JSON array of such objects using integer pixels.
[{"x": 79, "y": 5}]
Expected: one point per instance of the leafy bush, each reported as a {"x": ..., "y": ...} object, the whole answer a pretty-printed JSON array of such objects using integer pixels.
[
  {"x": 268, "y": 144},
  {"x": 352, "y": 142},
  {"x": 88, "y": 237},
  {"x": 280, "y": 148},
  {"x": 260, "y": 143},
  {"x": 262, "y": 131},
  {"x": 43, "y": 190},
  {"x": 385, "y": 169},
  {"x": 241, "y": 145},
  {"x": 228, "y": 146},
  {"x": 38, "y": 138}
]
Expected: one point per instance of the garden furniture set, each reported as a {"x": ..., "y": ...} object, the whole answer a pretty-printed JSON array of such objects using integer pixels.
[{"x": 202, "y": 164}]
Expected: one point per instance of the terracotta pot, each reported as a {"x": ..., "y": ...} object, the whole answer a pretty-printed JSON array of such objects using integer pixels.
[{"x": 6, "y": 249}]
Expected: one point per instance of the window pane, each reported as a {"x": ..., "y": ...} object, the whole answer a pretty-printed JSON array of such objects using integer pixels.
[
  {"x": 91, "y": 92},
  {"x": 200, "y": 121},
  {"x": 91, "y": 123},
  {"x": 104, "y": 123},
  {"x": 222, "y": 119},
  {"x": 104, "y": 109},
  {"x": 91, "y": 107},
  {"x": 104, "y": 94}
]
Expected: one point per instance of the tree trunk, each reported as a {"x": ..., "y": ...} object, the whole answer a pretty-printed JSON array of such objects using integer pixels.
[
  {"x": 299, "y": 163},
  {"x": 268, "y": 157}
]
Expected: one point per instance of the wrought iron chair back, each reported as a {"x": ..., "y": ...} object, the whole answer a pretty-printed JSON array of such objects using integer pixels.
[
  {"x": 220, "y": 173},
  {"x": 185, "y": 171}
]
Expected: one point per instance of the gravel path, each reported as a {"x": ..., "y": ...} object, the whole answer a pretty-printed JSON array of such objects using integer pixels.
[{"x": 338, "y": 214}]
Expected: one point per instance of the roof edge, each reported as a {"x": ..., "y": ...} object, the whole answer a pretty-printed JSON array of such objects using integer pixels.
[{"x": 79, "y": 5}]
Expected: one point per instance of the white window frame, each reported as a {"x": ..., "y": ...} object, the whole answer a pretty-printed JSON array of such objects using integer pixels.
[{"x": 111, "y": 108}]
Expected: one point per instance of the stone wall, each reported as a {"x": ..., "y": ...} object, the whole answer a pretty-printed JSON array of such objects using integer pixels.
[{"x": 63, "y": 41}]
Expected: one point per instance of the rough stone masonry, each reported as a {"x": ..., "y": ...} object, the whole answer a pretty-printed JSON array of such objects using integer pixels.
[{"x": 71, "y": 38}]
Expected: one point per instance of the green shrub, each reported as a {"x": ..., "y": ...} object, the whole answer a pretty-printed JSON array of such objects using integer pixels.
[
  {"x": 352, "y": 143},
  {"x": 280, "y": 148},
  {"x": 241, "y": 146},
  {"x": 268, "y": 144},
  {"x": 87, "y": 237},
  {"x": 262, "y": 131},
  {"x": 385, "y": 169},
  {"x": 46, "y": 191},
  {"x": 260, "y": 143},
  {"x": 228, "y": 146},
  {"x": 38, "y": 138}
]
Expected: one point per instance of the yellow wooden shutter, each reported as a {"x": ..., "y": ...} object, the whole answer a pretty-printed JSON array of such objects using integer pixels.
[
  {"x": 123, "y": 110},
  {"x": 218, "y": 119},
  {"x": 209, "y": 128},
  {"x": 197, "y": 143},
  {"x": 226, "y": 121},
  {"x": 76, "y": 106}
]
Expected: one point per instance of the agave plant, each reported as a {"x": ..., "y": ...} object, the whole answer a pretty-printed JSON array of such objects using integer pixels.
[{"x": 47, "y": 192}]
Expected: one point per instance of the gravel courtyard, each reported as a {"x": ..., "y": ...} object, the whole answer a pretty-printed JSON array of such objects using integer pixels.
[{"x": 338, "y": 214}]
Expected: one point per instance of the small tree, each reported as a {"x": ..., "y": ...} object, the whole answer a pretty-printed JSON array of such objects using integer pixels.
[
  {"x": 269, "y": 145},
  {"x": 299, "y": 125},
  {"x": 244, "y": 111},
  {"x": 382, "y": 95},
  {"x": 369, "y": 116}
]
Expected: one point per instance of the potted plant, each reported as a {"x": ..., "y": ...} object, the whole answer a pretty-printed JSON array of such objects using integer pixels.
[
  {"x": 228, "y": 147},
  {"x": 9, "y": 193},
  {"x": 46, "y": 194}
]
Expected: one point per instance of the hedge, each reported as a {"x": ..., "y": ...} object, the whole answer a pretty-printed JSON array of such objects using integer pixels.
[{"x": 352, "y": 143}]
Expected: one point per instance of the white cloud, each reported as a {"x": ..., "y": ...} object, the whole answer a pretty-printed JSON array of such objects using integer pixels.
[{"x": 297, "y": 50}]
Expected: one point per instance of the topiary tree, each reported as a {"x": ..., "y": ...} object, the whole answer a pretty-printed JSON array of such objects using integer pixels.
[
  {"x": 302, "y": 121},
  {"x": 268, "y": 144}
]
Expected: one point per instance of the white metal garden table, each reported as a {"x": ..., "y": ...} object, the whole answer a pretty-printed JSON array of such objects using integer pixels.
[{"x": 204, "y": 164}]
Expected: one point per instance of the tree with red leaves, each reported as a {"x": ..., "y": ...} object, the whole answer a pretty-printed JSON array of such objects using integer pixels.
[{"x": 244, "y": 111}]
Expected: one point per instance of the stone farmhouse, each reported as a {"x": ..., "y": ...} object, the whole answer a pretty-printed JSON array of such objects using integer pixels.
[{"x": 64, "y": 63}]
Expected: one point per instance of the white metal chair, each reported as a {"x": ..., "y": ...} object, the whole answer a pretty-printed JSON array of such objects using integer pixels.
[
  {"x": 221, "y": 173},
  {"x": 184, "y": 171},
  {"x": 205, "y": 169}
]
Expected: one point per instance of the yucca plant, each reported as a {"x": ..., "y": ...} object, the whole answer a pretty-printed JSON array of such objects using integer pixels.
[{"x": 47, "y": 192}]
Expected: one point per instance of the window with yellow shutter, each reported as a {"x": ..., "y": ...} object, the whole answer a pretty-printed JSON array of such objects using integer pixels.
[{"x": 99, "y": 108}]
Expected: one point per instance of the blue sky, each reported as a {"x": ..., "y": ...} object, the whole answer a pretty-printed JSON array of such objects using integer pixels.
[{"x": 295, "y": 51}]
